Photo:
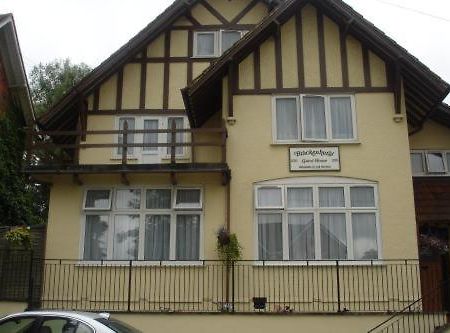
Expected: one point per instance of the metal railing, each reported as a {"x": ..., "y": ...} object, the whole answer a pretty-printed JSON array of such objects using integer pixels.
[
  {"x": 64, "y": 147},
  {"x": 428, "y": 314},
  {"x": 215, "y": 286}
]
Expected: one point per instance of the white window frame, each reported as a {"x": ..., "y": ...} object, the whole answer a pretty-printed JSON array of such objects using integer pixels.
[
  {"x": 186, "y": 207},
  {"x": 93, "y": 208},
  {"x": 221, "y": 51},
  {"x": 444, "y": 162},
  {"x": 216, "y": 43},
  {"x": 257, "y": 205},
  {"x": 316, "y": 210},
  {"x": 424, "y": 156},
  {"x": 274, "y": 119},
  {"x": 156, "y": 150},
  {"x": 143, "y": 212}
]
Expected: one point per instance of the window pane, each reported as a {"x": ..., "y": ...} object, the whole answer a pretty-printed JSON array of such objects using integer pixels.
[
  {"x": 128, "y": 199},
  {"x": 365, "y": 245},
  {"x": 362, "y": 196},
  {"x": 331, "y": 197},
  {"x": 314, "y": 117},
  {"x": 150, "y": 124},
  {"x": 179, "y": 137},
  {"x": 188, "y": 198},
  {"x": 17, "y": 325},
  {"x": 98, "y": 199},
  {"x": 130, "y": 137},
  {"x": 435, "y": 162},
  {"x": 205, "y": 44},
  {"x": 157, "y": 237},
  {"x": 96, "y": 237},
  {"x": 269, "y": 197},
  {"x": 126, "y": 237},
  {"x": 229, "y": 38},
  {"x": 448, "y": 162},
  {"x": 333, "y": 235},
  {"x": 301, "y": 237},
  {"x": 286, "y": 118},
  {"x": 188, "y": 237},
  {"x": 299, "y": 197},
  {"x": 270, "y": 239},
  {"x": 159, "y": 199},
  {"x": 341, "y": 117},
  {"x": 417, "y": 163}
]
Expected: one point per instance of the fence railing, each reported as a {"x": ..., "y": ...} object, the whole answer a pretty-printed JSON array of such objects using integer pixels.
[
  {"x": 428, "y": 314},
  {"x": 214, "y": 286},
  {"x": 65, "y": 147}
]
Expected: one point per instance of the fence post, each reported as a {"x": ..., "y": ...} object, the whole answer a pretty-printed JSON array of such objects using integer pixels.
[
  {"x": 30, "y": 283},
  {"x": 232, "y": 286},
  {"x": 338, "y": 284},
  {"x": 130, "y": 266},
  {"x": 125, "y": 142}
]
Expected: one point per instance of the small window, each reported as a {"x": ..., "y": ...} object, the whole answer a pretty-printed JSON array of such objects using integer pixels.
[
  {"x": 298, "y": 197},
  {"x": 128, "y": 199},
  {"x": 435, "y": 162},
  {"x": 126, "y": 237},
  {"x": 205, "y": 44},
  {"x": 417, "y": 163},
  {"x": 330, "y": 197},
  {"x": 448, "y": 162},
  {"x": 187, "y": 246},
  {"x": 98, "y": 200},
  {"x": 365, "y": 238},
  {"x": 64, "y": 325},
  {"x": 158, "y": 199},
  {"x": 96, "y": 237},
  {"x": 286, "y": 119},
  {"x": 17, "y": 325},
  {"x": 270, "y": 236},
  {"x": 301, "y": 236},
  {"x": 151, "y": 138},
  {"x": 333, "y": 233},
  {"x": 341, "y": 118},
  {"x": 157, "y": 237},
  {"x": 188, "y": 199},
  {"x": 362, "y": 197},
  {"x": 314, "y": 118},
  {"x": 229, "y": 38},
  {"x": 269, "y": 198}
]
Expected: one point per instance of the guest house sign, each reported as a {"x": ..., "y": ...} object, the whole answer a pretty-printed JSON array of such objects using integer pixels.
[{"x": 314, "y": 159}]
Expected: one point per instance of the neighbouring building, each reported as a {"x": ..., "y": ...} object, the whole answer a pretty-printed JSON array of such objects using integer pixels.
[{"x": 290, "y": 123}]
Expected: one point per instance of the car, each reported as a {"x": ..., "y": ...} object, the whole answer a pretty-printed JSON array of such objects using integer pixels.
[{"x": 63, "y": 322}]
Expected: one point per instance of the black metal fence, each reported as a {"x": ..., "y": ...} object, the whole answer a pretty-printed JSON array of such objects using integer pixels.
[{"x": 215, "y": 286}]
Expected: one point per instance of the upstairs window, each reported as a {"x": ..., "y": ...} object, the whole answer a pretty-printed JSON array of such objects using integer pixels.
[
  {"x": 430, "y": 163},
  {"x": 311, "y": 118},
  {"x": 210, "y": 44}
]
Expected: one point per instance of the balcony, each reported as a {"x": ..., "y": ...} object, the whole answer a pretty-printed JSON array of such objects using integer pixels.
[
  {"x": 171, "y": 151},
  {"x": 214, "y": 286}
]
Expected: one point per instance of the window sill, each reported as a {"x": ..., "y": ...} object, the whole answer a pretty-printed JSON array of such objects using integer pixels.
[
  {"x": 129, "y": 158},
  {"x": 125, "y": 263},
  {"x": 315, "y": 143},
  {"x": 313, "y": 263}
]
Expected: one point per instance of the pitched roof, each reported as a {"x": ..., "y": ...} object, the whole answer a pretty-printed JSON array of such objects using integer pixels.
[
  {"x": 418, "y": 77},
  {"x": 61, "y": 110}
]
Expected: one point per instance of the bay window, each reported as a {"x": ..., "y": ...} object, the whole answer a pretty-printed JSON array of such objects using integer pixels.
[
  {"x": 210, "y": 44},
  {"x": 154, "y": 224},
  {"x": 311, "y": 118},
  {"x": 430, "y": 163},
  {"x": 317, "y": 222}
]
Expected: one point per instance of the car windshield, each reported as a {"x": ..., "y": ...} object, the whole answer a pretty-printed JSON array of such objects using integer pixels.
[{"x": 118, "y": 326}]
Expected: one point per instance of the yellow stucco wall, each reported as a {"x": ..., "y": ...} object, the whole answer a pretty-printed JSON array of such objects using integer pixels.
[
  {"x": 267, "y": 61},
  {"x": 432, "y": 136}
]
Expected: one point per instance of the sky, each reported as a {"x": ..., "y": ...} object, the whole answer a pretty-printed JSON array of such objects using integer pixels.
[{"x": 90, "y": 30}]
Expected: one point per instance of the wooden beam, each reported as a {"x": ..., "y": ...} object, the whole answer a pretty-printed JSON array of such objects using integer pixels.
[
  {"x": 278, "y": 58},
  {"x": 214, "y": 12},
  {"x": 245, "y": 11},
  {"x": 77, "y": 180},
  {"x": 257, "y": 67},
  {"x": 300, "y": 60},
  {"x": 190, "y": 55},
  {"x": 231, "y": 89},
  {"x": 173, "y": 178},
  {"x": 143, "y": 86},
  {"x": 166, "y": 71},
  {"x": 344, "y": 59},
  {"x": 322, "y": 57},
  {"x": 366, "y": 64},
  {"x": 119, "y": 89},
  {"x": 398, "y": 88},
  {"x": 124, "y": 179}
]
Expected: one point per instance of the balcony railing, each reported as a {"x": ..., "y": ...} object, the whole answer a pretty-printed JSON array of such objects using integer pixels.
[
  {"x": 215, "y": 286},
  {"x": 66, "y": 148}
]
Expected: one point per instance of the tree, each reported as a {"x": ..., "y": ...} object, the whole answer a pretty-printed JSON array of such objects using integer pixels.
[{"x": 49, "y": 82}]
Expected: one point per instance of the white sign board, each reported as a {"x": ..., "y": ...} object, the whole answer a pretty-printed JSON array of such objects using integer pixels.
[{"x": 314, "y": 159}]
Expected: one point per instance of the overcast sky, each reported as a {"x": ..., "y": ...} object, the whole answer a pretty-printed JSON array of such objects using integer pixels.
[{"x": 90, "y": 30}]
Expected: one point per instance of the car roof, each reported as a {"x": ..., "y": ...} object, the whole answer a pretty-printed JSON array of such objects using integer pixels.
[{"x": 72, "y": 314}]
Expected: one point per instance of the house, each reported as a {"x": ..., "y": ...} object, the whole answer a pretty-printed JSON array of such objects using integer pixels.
[
  {"x": 290, "y": 123},
  {"x": 13, "y": 80}
]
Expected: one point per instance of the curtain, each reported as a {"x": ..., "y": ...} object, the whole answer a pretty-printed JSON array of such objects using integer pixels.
[
  {"x": 362, "y": 196},
  {"x": 188, "y": 237},
  {"x": 158, "y": 199},
  {"x": 286, "y": 118},
  {"x": 269, "y": 197},
  {"x": 301, "y": 237},
  {"x": 157, "y": 237},
  {"x": 205, "y": 44},
  {"x": 130, "y": 137},
  {"x": 229, "y": 38},
  {"x": 96, "y": 237},
  {"x": 417, "y": 163},
  {"x": 341, "y": 117},
  {"x": 299, "y": 197},
  {"x": 188, "y": 197},
  {"x": 435, "y": 162},
  {"x": 97, "y": 199},
  {"x": 333, "y": 236},
  {"x": 126, "y": 237},
  {"x": 179, "y": 137},
  {"x": 150, "y": 124},
  {"x": 314, "y": 117},
  {"x": 331, "y": 197},
  {"x": 128, "y": 199},
  {"x": 364, "y": 227},
  {"x": 270, "y": 237}
]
